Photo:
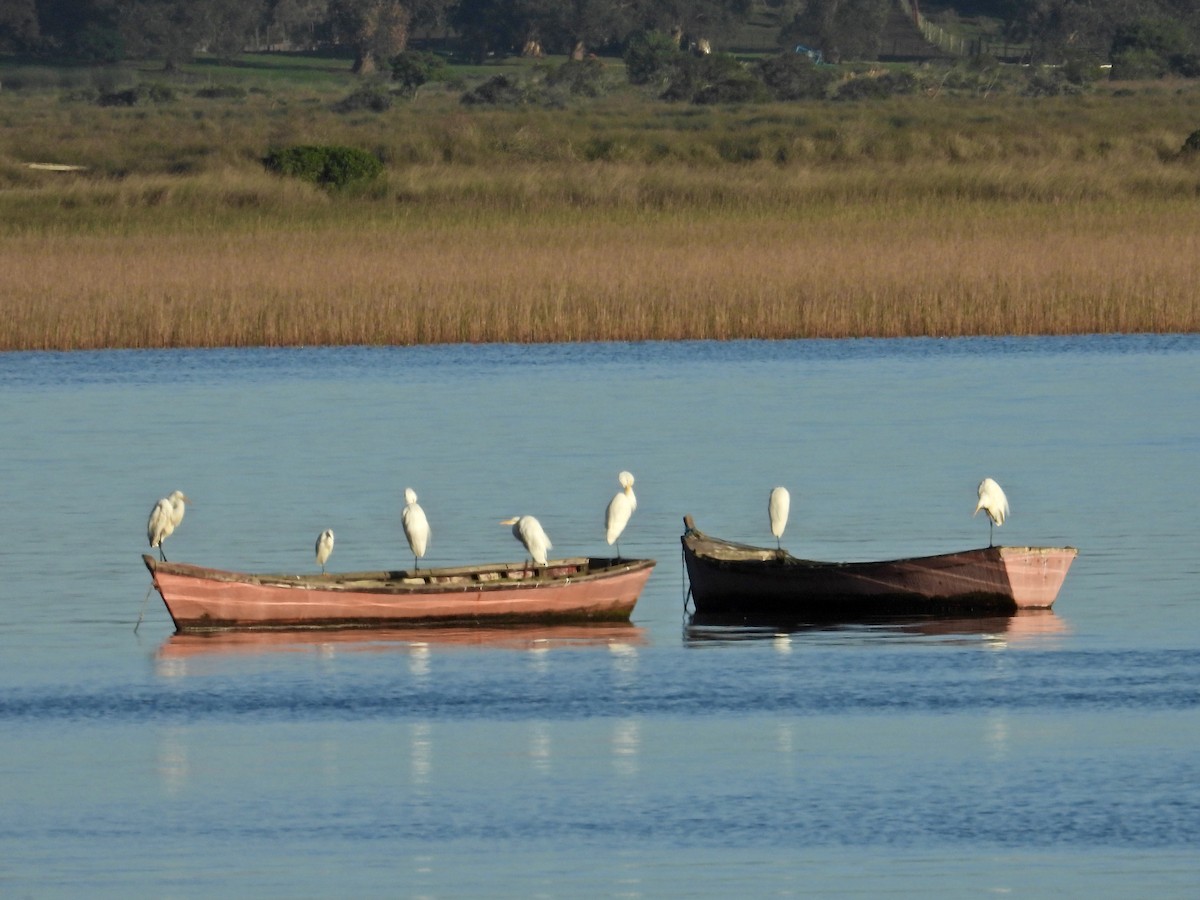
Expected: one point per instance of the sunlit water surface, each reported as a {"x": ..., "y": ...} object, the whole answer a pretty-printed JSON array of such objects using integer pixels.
[{"x": 1033, "y": 756}]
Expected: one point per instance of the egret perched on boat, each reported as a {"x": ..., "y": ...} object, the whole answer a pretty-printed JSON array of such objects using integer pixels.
[
  {"x": 324, "y": 547},
  {"x": 620, "y": 508},
  {"x": 416, "y": 526},
  {"x": 993, "y": 502},
  {"x": 530, "y": 533},
  {"x": 778, "y": 505},
  {"x": 164, "y": 519}
]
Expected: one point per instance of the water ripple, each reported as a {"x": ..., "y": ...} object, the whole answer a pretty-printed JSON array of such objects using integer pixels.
[{"x": 817, "y": 683}]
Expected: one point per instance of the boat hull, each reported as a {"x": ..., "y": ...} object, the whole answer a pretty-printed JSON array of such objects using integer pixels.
[
  {"x": 736, "y": 579},
  {"x": 202, "y": 599}
]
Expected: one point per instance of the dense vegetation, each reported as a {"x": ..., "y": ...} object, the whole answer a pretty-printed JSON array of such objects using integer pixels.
[
  {"x": 967, "y": 204},
  {"x": 1147, "y": 37},
  {"x": 402, "y": 171}
]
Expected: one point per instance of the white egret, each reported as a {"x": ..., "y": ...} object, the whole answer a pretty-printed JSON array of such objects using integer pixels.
[
  {"x": 324, "y": 547},
  {"x": 993, "y": 502},
  {"x": 178, "y": 499},
  {"x": 164, "y": 519},
  {"x": 620, "y": 508},
  {"x": 416, "y": 526},
  {"x": 777, "y": 509},
  {"x": 529, "y": 532}
]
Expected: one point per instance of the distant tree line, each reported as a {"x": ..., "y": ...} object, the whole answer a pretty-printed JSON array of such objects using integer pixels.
[{"x": 1143, "y": 37}]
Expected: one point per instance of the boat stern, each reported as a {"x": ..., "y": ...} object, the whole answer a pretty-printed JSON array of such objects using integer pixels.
[{"x": 1036, "y": 574}]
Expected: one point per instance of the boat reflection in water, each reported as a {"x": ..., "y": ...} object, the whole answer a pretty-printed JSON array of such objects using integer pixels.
[
  {"x": 1028, "y": 626},
  {"x": 187, "y": 653}
]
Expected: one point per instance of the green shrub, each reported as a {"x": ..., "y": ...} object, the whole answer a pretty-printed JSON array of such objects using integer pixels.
[
  {"x": 136, "y": 96},
  {"x": 1081, "y": 68},
  {"x": 222, "y": 92},
  {"x": 1043, "y": 82},
  {"x": 876, "y": 87},
  {"x": 413, "y": 68},
  {"x": 1152, "y": 47},
  {"x": 98, "y": 44},
  {"x": 740, "y": 149},
  {"x": 1138, "y": 64},
  {"x": 794, "y": 76},
  {"x": 369, "y": 98},
  {"x": 582, "y": 78},
  {"x": 1161, "y": 36},
  {"x": 1186, "y": 65},
  {"x": 499, "y": 90},
  {"x": 605, "y": 149},
  {"x": 717, "y": 78},
  {"x": 326, "y": 165},
  {"x": 127, "y": 97},
  {"x": 650, "y": 57},
  {"x": 159, "y": 93}
]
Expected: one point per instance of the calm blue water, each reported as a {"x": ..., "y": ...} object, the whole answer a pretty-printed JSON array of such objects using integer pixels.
[{"x": 1032, "y": 756}]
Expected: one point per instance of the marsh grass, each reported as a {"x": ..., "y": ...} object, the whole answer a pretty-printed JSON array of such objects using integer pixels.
[
  {"x": 828, "y": 272},
  {"x": 621, "y": 220}
]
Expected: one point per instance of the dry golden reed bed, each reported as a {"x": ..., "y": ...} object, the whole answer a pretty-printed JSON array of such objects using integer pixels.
[{"x": 850, "y": 233}]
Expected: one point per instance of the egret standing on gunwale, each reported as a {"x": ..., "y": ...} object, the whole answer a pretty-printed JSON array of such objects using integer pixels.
[
  {"x": 993, "y": 502},
  {"x": 416, "y": 526},
  {"x": 532, "y": 536},
  {"x": 620, "y": 509},
  {"x": 778, "y": 505},
  {"x": 164, "y": 519},
  {"x": 324, "y": 547}
]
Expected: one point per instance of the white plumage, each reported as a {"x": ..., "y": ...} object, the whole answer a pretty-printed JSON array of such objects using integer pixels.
[
  {"x": 165, "y": 518},
  {"x": 416, "y": 525},
  {"x": 532, "y": 536},
  {"x": 324, "y": 547},
  {"x": 778, "y": 505},
  {"x": 993, "y": 502},
  {"x": 620, "y": 509}
]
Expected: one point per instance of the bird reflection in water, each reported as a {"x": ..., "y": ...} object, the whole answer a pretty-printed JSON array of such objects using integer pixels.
[
  {"x": 172, "y": 763},
  {"x": 626, "y": 743},
  {"x": 993, "y": 632},
  {"x": 540, "y": 747},
  {"x": 418, "y": 660},
  {"x": 420, "y": 744},
  {"x": 539, "y": 656},
  {"x": 625, "y": 662},
  {"x": 785, "y": 738},
  {"x": 199, "y": 653},
  {"x": 996, "y": 737}
]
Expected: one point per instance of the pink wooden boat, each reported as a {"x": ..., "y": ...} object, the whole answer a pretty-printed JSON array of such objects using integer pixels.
[
  {"x": 738, "y": 579},
  {"x": 566, "y": 590}
]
